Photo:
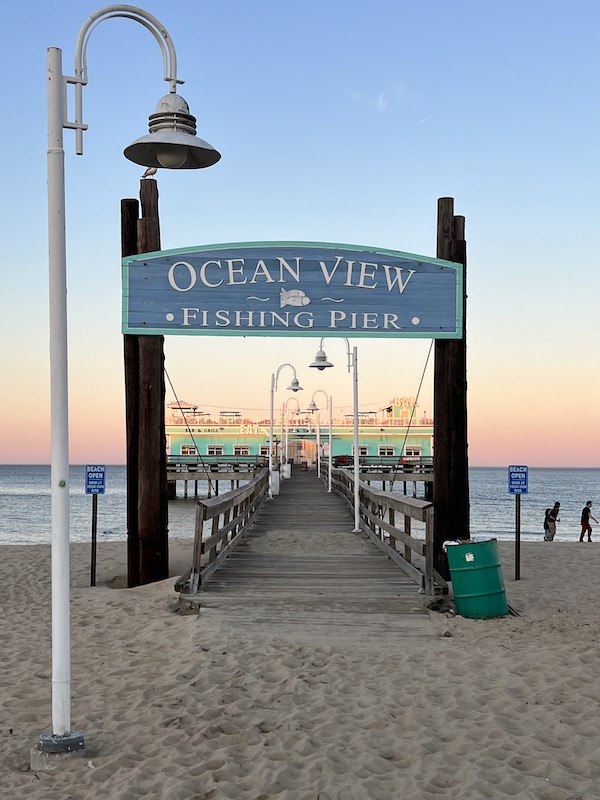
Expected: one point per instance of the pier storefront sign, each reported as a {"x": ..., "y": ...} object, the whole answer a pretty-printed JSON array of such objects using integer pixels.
[{"x": 287, "y": 288}]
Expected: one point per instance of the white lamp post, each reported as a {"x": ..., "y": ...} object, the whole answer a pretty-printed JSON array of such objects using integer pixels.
[
  {"x": 172, "y": 144},
  {"x": 293, "y": 387},
  {"x": 286, "y": 421},
  {"x": 321, "y": 363},
  {"x": 313, "y": 407}
]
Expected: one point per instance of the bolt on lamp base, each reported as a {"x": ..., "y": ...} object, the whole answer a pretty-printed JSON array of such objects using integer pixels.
[{"x": 51, "y": 751}]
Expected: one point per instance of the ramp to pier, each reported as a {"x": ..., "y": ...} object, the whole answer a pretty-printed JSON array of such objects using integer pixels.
[{"x": 302, "y": 573}]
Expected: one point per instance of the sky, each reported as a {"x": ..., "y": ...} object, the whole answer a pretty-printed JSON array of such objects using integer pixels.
[{"x": 337, "y": 122}]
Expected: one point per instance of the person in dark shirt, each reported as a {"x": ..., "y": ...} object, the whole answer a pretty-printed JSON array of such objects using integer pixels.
[
  {"x": 553, "y": 518},
  {"x": 586, "y": 515},
  {"x": 546, "y": 526}
]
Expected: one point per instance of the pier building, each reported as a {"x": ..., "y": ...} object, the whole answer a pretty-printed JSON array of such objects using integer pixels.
[{"x": 395, "y": 431}]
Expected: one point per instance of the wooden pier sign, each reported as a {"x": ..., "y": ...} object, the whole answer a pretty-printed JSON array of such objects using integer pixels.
[{"x": 292, "y": 289}]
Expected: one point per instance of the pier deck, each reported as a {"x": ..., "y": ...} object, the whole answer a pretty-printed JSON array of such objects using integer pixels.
[{"x": 302, "y": 573}]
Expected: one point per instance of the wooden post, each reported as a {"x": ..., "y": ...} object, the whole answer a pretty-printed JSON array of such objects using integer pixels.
[
  {"x": 152, "y": 475},
  {"x": 147, "y": 494},
  {"x": 450, "y": 463},
  {"x": 129, "y": 218}
]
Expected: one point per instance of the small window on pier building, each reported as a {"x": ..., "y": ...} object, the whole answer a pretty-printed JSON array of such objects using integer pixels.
[
  {"x": 215, "y": 450},
  {"x": 241, "y": 450},
  {"x": 386, "y": 451},
  {"x": 189, "y": 450},
  {"x": 413, "y": 451},
  {"x": 263, "y": 450},
  {"x": 362, "y": 451}
]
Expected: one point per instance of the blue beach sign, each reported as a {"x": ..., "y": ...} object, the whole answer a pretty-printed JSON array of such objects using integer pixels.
[
  {"x": 95, "y": 478},
  {"x": 291, "y": 288},
  {"x": 518, "y": 479}
]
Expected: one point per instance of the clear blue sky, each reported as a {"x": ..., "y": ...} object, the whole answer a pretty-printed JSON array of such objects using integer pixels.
[{"x": 339, "y": 122}]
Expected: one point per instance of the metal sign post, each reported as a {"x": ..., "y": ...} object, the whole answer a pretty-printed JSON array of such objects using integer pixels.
[
  {"x": 95, "y": 484},
  {"x": 518, "y": 484}
]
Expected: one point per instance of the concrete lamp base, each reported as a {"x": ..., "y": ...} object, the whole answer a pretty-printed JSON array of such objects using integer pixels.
[{"x": 51, "y": 751}]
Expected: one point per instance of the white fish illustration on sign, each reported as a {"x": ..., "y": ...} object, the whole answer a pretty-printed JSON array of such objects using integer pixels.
[{"x": 295, "y": 297}]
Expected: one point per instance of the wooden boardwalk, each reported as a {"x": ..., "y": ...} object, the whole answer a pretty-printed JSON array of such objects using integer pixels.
[{"x": 302, "y": 573}]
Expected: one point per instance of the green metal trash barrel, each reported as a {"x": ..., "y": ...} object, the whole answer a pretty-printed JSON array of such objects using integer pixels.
[{"x": 477, "y": 581}]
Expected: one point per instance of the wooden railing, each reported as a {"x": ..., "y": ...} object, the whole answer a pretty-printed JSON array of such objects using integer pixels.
[
  {"x": 230, "y": 516},
  {"x": 386, "y": 518},
  {"x": 215, "y": 463},
  {"x": 389, "y": 464}
]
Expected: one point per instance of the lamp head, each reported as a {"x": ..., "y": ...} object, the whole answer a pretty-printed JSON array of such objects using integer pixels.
[
  {"x": 172, "y": 142},
  {"x": 312, "y": 406},
  {"x": 320, "y": 361},
  {"x": 294, "y": 386}
]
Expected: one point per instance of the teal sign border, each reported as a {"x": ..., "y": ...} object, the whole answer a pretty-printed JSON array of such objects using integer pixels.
[{"x": 413, "y": 296}]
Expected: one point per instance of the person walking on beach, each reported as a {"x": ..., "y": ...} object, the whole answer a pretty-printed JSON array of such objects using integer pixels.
[
  {"x": 546, "y": 513},
  {"x": 553, "y": 518},
  {"x": 586, "y": 515}
]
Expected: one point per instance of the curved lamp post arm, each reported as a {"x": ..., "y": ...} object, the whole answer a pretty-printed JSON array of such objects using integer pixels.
[
  {"x": 321, "y": 391},
  {"x": 351, "y": 355},
  {"x": 276, "y": 374},
  {"x": 156, "y": 28},
  {"x": 295, "y": 399}
]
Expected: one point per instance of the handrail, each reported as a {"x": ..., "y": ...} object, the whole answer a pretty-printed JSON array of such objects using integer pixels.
[
  {"x": 231, "y": 515},
  {"x": 378, "y": 511},
  {"x": 196, "y": 460},
  {"x": 390, "y": 464}
]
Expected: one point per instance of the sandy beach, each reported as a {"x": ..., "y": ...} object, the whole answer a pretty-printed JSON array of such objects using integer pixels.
[{"x": 181, "y": 707}]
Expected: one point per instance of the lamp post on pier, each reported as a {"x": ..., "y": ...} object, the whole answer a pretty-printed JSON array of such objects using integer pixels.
[
  {"x": 321, "y": 363},
  {"x": 172, "y": 144},
  {"x": 313, "y": 407},
  {"x": 293, "y": 387},
  {"x": 285, "y": 421}
]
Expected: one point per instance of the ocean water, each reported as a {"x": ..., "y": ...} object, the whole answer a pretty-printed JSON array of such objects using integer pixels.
[
  {"x": 25, "y": 506},
  {"x": 493, "y": 508},
  {"x": 25, "y": 511}
]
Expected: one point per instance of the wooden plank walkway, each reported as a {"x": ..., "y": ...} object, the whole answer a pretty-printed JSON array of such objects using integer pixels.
[{"x": 301, "y": 573}]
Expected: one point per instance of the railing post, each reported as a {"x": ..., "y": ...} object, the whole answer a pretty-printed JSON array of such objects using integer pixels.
[
  {"x": 429, "y": 552},
  {"x": 391, "y": 519},
  {"x": 407, "y": 529},
  {"x": 197, "y": 554},
  {"x": 212, "y": 553}
]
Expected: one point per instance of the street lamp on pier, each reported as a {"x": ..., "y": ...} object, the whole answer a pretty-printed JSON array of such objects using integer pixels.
[
  {"x": 172, "y": 144},
  {"x": 293, "y": 387},
  {"x": 285, "y": 421},
  {"x": 321, "y": 362},
  {"x": 313, "y": 407}
]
